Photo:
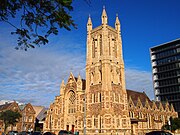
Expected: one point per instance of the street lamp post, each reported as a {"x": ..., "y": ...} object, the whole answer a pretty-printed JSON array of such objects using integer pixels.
[{"x": 50, "y": 126}]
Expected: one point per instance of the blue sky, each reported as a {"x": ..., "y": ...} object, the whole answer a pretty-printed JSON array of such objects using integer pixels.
[{"x": 35, "y": 76}]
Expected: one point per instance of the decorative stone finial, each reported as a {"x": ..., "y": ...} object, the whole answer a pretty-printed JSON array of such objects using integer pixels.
[
  {"x": 117, "y": 23},
  {"x": 89, "y": 23},
  {"x": 104, "y": 16}
]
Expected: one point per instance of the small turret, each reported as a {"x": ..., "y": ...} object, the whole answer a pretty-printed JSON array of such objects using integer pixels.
[
  {"x": 104, "y": 17},
  {"x": 117, "y": 23},
  {"x": 62, "y": 87},
  {"x": 79, "y": 83},
  {"x": 89, "y": 24},
  {"x": 79, "y": 78}
]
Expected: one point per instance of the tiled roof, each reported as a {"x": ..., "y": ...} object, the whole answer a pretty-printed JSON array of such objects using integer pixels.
[
  {"x": 163, "y": 104},
  {"x": 141, "y": 95},
  {"x": 4, "y": 106},
  {"x": 83, "y": 84},
  {"x": 42, "y": 115},
  {"x": 157, "y": 104},
  {"x": 37, "y": 109}
]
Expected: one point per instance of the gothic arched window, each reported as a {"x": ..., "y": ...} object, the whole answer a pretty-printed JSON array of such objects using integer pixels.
[
  {"x": 71, "y": 102},
  {"x": 109, "y": 40},
  {"x": 93, "y": 48},
  {"x": 100, "y": 43},
  {"x": 115, "y": 48}
]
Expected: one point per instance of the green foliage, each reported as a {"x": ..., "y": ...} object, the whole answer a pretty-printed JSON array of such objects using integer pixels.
[
  {"x": 166, "y": 127},
  {"x": 9, "y": 117},
  {"x": 175, "y": 124},
  {"x": 39, "y": 19}
]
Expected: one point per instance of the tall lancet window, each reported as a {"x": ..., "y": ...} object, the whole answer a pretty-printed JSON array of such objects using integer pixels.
[
  {"x": 100, "y": 43},
  {"x": 93, "y": 48},
  {"x": 115, "y": 48},
  {"x": 109, "y": 42},
  {"x": 100, "y": 76}
]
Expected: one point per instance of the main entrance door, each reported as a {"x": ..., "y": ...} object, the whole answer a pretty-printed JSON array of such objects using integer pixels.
[
  {"x": 67, "y": 127},
  {"x": 72, "y": 128}
]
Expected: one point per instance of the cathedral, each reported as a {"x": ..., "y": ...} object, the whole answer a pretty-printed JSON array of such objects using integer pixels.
[{"x": 101, "y": 104}]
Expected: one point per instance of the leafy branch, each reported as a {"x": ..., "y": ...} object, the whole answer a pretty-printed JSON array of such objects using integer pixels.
[{"x": 39, "y": 19}]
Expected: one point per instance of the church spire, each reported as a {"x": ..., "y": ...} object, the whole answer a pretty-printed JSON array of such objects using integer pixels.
[
  {"x": 104, "y": 16},
  {"x": 89, "y": 24},
  {"x": 117, "y": 23}
]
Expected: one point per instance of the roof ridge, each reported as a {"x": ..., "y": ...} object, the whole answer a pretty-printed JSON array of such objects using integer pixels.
[{"x": 136, "y": 91}]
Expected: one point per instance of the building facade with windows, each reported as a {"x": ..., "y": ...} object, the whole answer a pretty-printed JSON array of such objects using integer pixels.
[
  {"x": 25, "y": 123},
  {"x": 165, "y": 60},
  {"x": 101, "y": 104}
]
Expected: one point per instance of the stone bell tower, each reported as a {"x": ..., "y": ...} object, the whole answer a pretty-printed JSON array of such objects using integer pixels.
[{"x": 105, "y": 80}]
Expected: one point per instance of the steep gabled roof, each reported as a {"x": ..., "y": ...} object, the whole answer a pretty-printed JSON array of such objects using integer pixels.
[
  {"x": 42, "y": 114},
  {"x": 5, "y": 106},
  {"x": 139, "y": 103},
  {"x": 131, "y": 102},
  {"x": 37, "y": 109},
  {"x": 141, "y": 95},
  {"x": 167, "y": 106},
  {"x": 159, "y": 105},
  {"x": 154, "y": 105},
  {"x": 30, "y": 108},
  {"x": 148, "y": 104},
  {"x": 10, "y": 106},
  {"x": 71, "y": 78},
  {"x": 172, "y": 108}
]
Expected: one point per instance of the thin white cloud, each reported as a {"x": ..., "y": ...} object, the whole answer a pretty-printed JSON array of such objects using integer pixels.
[
  {"x": 35, "y": 76},
  {"x": 139, "y": 81}
]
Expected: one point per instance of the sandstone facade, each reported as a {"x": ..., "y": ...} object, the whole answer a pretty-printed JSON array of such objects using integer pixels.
[{"x": 101, "y": 104}]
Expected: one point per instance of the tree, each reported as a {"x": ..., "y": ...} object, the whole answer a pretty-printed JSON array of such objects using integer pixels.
[
  {"x": 39, "y": 19},
  {"x": 9, "y": 118},
  {"x": 175, "y": 124}
]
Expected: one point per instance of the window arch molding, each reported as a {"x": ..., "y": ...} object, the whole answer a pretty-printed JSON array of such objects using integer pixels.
[{"x": 71, "y": 102}]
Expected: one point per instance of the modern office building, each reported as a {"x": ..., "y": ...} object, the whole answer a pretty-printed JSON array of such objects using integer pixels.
[{"x": 165, "y": 59}]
